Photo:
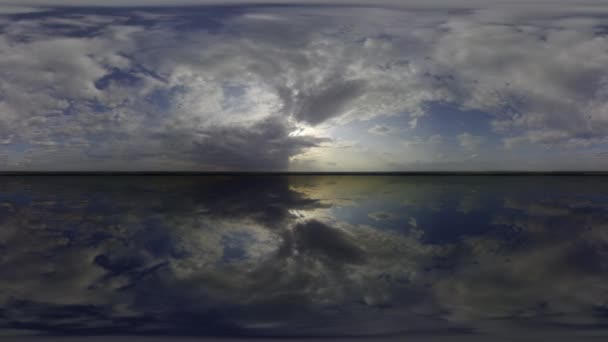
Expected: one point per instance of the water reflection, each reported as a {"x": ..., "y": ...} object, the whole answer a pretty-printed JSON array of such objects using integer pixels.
[{"x": 315, "y": 256}]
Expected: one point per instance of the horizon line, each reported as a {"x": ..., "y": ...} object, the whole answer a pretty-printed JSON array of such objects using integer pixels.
[{"x": 304, "y": 173}]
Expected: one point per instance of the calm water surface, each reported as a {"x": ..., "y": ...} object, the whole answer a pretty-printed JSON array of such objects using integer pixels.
[{"x": 466, "y": 258}]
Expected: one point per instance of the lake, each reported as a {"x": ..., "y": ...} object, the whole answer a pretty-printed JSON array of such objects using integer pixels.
[{"x": 316, "y": 257}]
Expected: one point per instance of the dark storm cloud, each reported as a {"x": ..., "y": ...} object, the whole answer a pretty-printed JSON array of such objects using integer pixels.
[
  {"x": 328, "y": 101},
  {"x": 263, "y": 146}
]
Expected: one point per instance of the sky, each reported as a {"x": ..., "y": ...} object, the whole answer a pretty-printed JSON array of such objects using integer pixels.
[
  {"x": 134, "y": 85},
  {"x": 412, "y": 258}
]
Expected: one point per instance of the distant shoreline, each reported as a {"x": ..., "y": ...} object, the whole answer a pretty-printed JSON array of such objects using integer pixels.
[{"x": 271, "y": 173}]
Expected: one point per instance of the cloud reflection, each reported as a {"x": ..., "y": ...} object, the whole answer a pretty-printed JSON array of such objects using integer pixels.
[{"x": 302, "y": 256}]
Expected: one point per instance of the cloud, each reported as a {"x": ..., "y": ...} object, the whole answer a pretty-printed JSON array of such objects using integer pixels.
[
  {"x": 328, "y": 102},
  {"x": 316, "y": 237},
  {"x": 432, "y": 140},
  {"x": 10, "y": 10},
  {"x": 74, "y": 83},
  {"x": 560, "y": 4},
  {"x": 101, "y": 88},
  {"x": 470, "y": 142},
  {"x": 265, "y": 145},
  {"x": 381, "y": 130},
  {"x": 380, "y": 216},
  {"x": 522, "y": 91},
  {"x": 97, "y": 90}
]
